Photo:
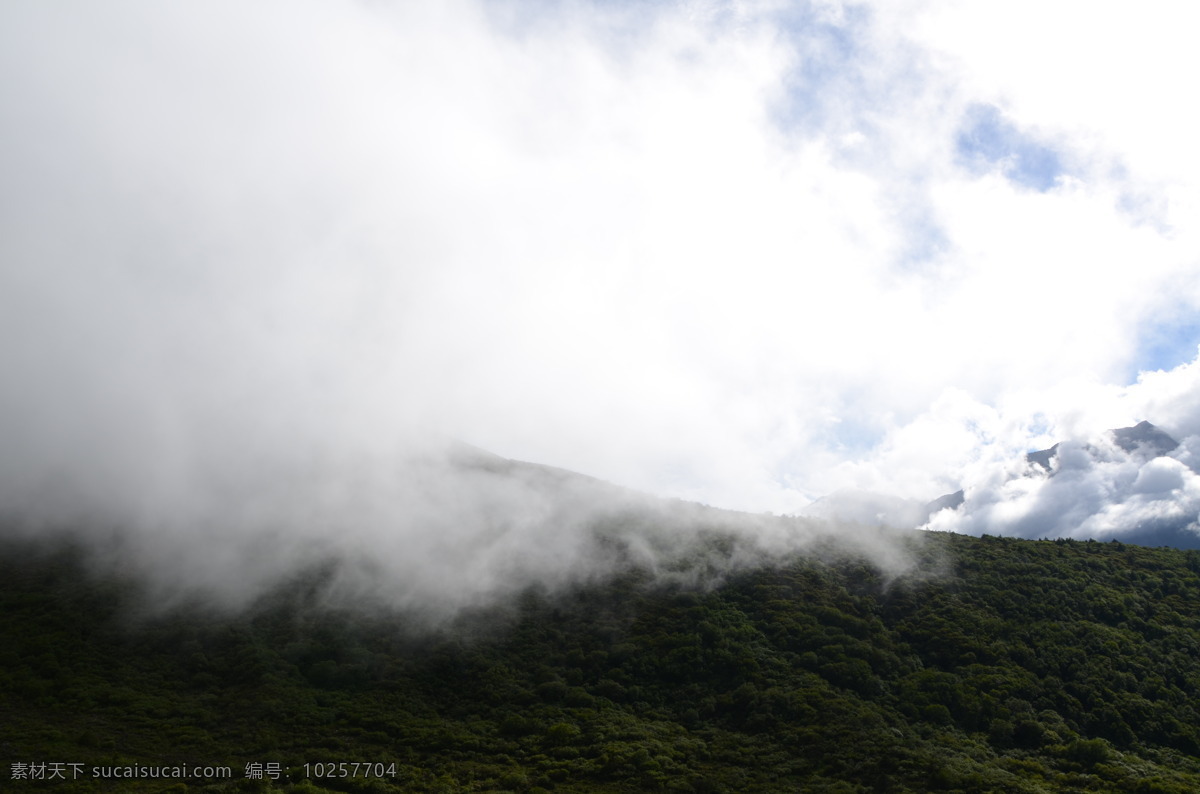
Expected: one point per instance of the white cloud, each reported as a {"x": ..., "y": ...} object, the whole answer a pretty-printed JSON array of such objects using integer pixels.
[
  {"x": 1096, "y": 488},
  {"x": 718, "y": 251}
]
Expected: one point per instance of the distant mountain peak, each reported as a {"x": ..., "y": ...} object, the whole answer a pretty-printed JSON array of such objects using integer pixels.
[
  {"x": 1042, "y": 457},
  {"x": 1143, "y": 438}
]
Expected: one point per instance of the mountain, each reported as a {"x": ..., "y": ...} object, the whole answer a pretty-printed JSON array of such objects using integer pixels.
[
  {"x": 949, "y": 501},
  {"x": 995, "y": 665},
  {"x": 1139, "y": 495},
  {"x": 1042, "y": 457},
  {"x": 1143, "y": 440}
]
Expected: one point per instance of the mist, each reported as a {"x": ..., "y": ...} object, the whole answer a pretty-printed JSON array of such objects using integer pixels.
[{"x": 259, "y": 265}]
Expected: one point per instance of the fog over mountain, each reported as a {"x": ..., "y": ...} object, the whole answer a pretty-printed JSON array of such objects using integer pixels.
[
  {"x": 255, "y": 261},
  {"x": 447, "y": 528}
]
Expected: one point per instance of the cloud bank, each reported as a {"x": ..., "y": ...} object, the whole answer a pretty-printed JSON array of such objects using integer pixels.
[
  {"x": 1094, "y": 486},
  {"x": 741, "y": 253}
]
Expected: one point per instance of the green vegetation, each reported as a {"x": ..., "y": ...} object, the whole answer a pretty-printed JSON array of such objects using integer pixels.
[{"x": 1006, "y": 666}]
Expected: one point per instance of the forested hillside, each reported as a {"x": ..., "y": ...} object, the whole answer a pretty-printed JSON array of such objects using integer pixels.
[{"x": 998, "y": 665}]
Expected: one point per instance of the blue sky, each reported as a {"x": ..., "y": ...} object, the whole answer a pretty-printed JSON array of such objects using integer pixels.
[
  {"x": 1165, "y": 345},
  {"x": 746, "y": 253},
  {"x": 988, "y": 141}
]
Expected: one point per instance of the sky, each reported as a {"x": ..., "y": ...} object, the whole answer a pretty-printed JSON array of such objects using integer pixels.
[{"x": 742, "y": 253}]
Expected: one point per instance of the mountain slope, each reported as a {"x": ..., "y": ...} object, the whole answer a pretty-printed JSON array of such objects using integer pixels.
[{"x": 999, "y": 665}]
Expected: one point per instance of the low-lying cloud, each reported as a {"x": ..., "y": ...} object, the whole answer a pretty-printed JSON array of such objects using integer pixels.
[
  {"x": 252, "y": 259},
  {"x": 433, "y": 533},
  {"x": 1096, "y": 486},
  {"x": 1096, "y": 493}
]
